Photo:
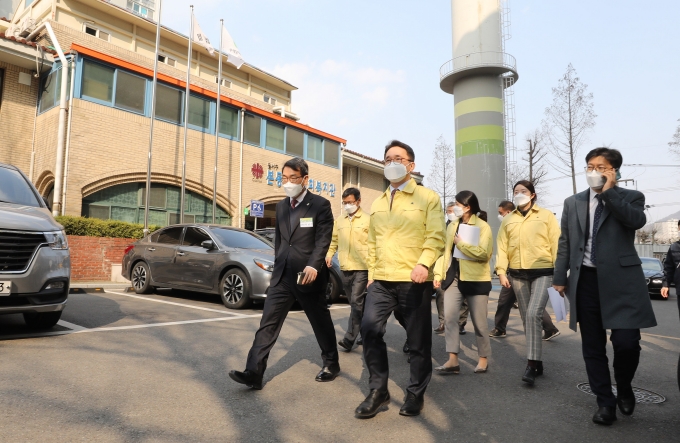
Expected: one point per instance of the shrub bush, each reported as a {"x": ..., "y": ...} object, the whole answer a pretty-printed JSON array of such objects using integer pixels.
[{"x": 94, "y": 227}]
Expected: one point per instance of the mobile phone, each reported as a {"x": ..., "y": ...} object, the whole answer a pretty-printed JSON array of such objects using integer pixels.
[{"x": 300, "y": 277}]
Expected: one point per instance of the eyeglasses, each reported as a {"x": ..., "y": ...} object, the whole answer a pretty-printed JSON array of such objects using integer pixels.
[
  {"x": 292, "y": 179},
  {"x": 600, "y": 169},
  {"x": 396, "y": 160}
]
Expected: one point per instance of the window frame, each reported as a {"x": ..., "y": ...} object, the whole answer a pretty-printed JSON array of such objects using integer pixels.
[
  {"x": 182, "y": 105},
  {"x": 313, "y": 160},
  {"x": 97, "y": 31},
  {"x": 239, "y": 114},
  {"x": 57, "y": 78},
  {"x": 275, "y": 123},
  {"x": 262, "y": 130},
  {"x": 80, "y": 78},
  {"x": 211, "y": 115}
]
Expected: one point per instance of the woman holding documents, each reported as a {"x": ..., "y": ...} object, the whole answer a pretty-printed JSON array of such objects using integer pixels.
[
  {"x": 527, "y": 248},
  {"x": 463, "y": 271}
]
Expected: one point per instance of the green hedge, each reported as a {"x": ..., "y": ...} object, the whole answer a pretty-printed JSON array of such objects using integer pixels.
[{"x": 94, "y": 227}]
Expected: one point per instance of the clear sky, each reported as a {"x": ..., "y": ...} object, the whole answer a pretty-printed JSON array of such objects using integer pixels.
[{"x": 369, "y": 71}]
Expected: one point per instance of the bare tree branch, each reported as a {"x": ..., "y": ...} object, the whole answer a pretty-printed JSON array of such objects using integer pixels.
[
  {"x": 568, "y": 120},
  {"x": 674, "y": 144},
  {"x": 442, "y": 178}
]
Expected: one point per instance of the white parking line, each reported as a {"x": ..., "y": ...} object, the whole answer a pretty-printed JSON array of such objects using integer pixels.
[
  {"x": 177, "y": 304},
  {"x": 71, "y": 326},
  {"x": 170, "y": 323}
]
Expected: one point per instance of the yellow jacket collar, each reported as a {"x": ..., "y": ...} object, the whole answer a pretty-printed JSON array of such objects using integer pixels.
[{"x": 409, "y": 188}]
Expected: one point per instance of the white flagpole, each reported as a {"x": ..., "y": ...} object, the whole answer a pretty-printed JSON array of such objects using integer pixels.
[
  {"x": 217, "y": 122},
  {"x": 153, "y": 118},
  {"x": 186, "y": 118}
]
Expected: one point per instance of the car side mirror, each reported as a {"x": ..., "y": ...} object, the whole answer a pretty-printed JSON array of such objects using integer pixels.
[
  {"x": 47, "y": 203},
  {"x": 208, "y": 244}
]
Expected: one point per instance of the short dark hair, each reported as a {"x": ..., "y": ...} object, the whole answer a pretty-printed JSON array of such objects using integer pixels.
[
  {"x": 407, "y": 148},
  {"x": 613, "y": 156},
  {"x": 468, "y": 198},
  {"x": 352, "y": 191},
  {"x": 530, "y": 186},
  {"x": 297, "y": 164},
  {"x": 507, "y": 205},
  {"x": 451, "y": 203}
]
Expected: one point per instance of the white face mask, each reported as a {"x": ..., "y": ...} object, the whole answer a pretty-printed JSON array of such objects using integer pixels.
[
  {"x": 395, "y": 172},
  {"x": 458, "y": 211},
  {"x": 451, "y": 216},
  {"x": 292, "y": 189},
  {"x": 521, "y": 199},
  {"x": 351, "y": 209},
  {"x": 500, "y": 218},
  {"x": 595, "y": 179}
]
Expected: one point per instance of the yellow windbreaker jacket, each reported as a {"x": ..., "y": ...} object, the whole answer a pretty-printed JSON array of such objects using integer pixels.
[
  {"x": 527, "y": 242},
  {"x": 350, "y": 240},
  {"x": 470, "y": 270},
  {"x": 411, "y": 233}
]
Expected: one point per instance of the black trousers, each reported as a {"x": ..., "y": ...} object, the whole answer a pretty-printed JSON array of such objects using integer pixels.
[
  {"x": 626, "y": 343},
  {"x": 355, "y": 288},
  {"x": 280, "y": 299},
  {"x": 413, "y": 302},
  {"x": 505, "y": 301}
]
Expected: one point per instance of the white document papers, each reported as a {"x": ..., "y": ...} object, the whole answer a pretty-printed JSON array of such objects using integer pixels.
[
  {"x": 557, "y": 302},
  {"x": 470, "y": 235}
]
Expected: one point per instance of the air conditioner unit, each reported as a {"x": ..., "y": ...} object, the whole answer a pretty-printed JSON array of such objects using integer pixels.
[{"x": 27, "y": 26}]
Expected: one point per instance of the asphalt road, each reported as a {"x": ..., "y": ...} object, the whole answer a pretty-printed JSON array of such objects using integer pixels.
[{"x": 122, "y": 368}]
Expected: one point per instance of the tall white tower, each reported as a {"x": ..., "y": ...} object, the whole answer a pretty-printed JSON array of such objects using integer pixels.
[{"x": 478, "y": 76}]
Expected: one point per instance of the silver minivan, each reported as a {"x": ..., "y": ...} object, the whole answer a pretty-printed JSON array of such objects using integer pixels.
[{"x": 35, "y": 265}]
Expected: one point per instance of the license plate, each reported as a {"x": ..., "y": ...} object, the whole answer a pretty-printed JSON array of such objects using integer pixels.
[{"x": 5, "y": 287}]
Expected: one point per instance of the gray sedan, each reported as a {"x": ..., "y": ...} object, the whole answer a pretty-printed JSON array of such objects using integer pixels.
[{"x": 231, "y": 262}]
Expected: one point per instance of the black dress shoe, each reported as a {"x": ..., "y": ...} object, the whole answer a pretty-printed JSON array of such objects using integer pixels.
[
  {"x": 328, "y": 373},
  {"x": 539, "y": 368},
  {"x": 461, "y": 330},
  {"x": 529, "y": 376},
  {"x": 375, "y": 401},
  {"x": 626, "y": 400},
  {"x": 606, "y": 415},
  {"x": 359, "y": 341},
  {"x": 439, "y": 329},
  {"x": 248, "y": 378},
  {"x": 406, "y": 349},
  {"x": 412, "y": 405},
  {"x": 346, "y": 345}
]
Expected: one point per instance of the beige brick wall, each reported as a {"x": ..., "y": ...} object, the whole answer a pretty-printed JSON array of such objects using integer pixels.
[
  {"x": 109, "y": 146},
  {"x": 17, "y": 113},
  {"x": 371, "y": 185}
]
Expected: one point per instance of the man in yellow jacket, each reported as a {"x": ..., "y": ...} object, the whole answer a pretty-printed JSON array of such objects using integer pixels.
[
  {"x": 405, "y": 239},
  {"x": 350, "y": 235}
]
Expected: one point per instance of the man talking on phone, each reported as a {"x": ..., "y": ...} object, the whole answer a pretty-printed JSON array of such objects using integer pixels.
[{"x": 304, "y": 227}]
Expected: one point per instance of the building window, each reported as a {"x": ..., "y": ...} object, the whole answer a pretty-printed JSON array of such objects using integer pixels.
[
  {"x": 252, "y": 126},
  {"x": 331, "y": 153},
  {"x": 199, "y": 113},
  {"x": 98, "y": 82},
  {"x": 51, "y": 90},
  {"x": 2, "y": 81},
  {"x": 314, "y": 148},
  {"x": 275, "y": 134},
  {"x": 167, "y": 60},
  {"x": 270, "y": 100},
  {"x": 126, "y": 203},
  {"x": 169, "y": 103},
  {"x": 96, "y": 32},
  {"x": 295, "y": 142},
  {"x": 140, "y": 9},
  {"x": 228, "y": 121},
  {"x": 130, "y": 92},
  {"x": 226, "y": 83}
]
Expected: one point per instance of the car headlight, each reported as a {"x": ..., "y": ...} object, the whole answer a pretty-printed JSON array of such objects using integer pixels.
[
  {"x": 56, "y": 239},
  {"x": 656, "y": 281},
  {"x": 264, "y": 264}
]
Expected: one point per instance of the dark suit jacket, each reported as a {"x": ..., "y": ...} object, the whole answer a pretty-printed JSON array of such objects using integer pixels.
[
  {"x": 624, "y": 297},
  {"x": 297, "y": 247}
]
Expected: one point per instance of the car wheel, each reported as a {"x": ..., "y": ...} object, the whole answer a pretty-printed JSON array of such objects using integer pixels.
[
  {"x": 235, "y": 289},
  {"x": 41, "y": 320},
  {"x": 333, "y": 290},
  {"x": 140, "y": 277}
]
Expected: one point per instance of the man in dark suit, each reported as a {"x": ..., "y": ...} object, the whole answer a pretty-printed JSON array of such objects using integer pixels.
[
  {"x": 304, "y": 227},
  {"x": 606, "y": 286}
]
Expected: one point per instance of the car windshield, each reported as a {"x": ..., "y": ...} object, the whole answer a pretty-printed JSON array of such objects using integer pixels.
[
  {"x": 651, "y": 264},
  {"x": 240, "y": 239},
  {"x": 15, "y": 189}
]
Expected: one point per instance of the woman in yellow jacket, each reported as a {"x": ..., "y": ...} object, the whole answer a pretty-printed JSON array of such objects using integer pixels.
[
  {"x": 469, "y": 277},
  {"x": 527, "y": 248}
]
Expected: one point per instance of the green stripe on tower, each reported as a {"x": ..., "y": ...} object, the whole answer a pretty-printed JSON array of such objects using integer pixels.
[{"x": 483, "y": 146}]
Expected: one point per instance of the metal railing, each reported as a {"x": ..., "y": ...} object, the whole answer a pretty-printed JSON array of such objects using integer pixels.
[{"x": 478, "y": 59}]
